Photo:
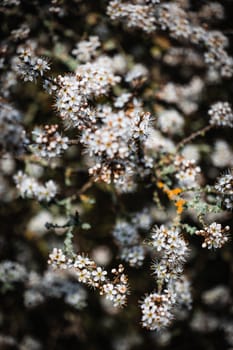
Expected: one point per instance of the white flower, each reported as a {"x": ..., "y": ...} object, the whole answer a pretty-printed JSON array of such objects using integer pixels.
[
  {"x": 109, "y": 291},
  {"x": 84, "y": 275},
  {"x": 40, "y": 65},
  {"x": 57, "y": 257},
  {"x": 30, "y": 188},
  {"x": 81, "y": 261},
  {"x": 99, "y": 274}
]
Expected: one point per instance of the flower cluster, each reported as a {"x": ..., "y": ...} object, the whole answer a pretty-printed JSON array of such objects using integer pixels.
[
  {"x": 12, "y": 136},
  {"x": 131, "y": 119},
  {"x": 187, "y": 172},
  {"x": 48, "y": 142},
  {"x": 222, "y": 156},
  {"x": 125, "y": 233},
  {"x": 170, "y": 121},
  {"x": 137, "y": 75},
  {"x": 29, "y": 187},
  {"x": 156, "y": 142},
  {"x": 10, "y": 273},
  {"x": 185, "y": 56},
  {"x": 115, "y": 142},
  {"x": 219, "y": 294},
  {"x": 21, "y": 33},
  {"x": 30, "y": 66},
  {"x": 10, "y": 3},
  {"x": 184, "y": 96},
  {"x": 88, "y": 273},
  {"x": 221, "y": 114},
  {"x": 214, "y": 235},
  {"x": 212, "y": 10},
  {"x": 54, "y": 284},
  {"x": 139, "y": 15},
  {"x": 180, "y": 25},
  {"x": 91, "y": 80},
  {"x": 113, "y": 138},
  {"x": 127, "y": 237},
  {"x": 87, "y": 49},
  {"x": 182, "y": 289},
  {"x": 173, "y": 249},
  {"x": 157, "y": 308},
  {"x": 224, "y": 186}
]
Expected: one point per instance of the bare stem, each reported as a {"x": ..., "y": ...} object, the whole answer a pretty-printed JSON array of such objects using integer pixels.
[
  {"x": 191, "y": 137},
  {"x": 74, "y": 142},
  {"x": 83, "y": 189}
]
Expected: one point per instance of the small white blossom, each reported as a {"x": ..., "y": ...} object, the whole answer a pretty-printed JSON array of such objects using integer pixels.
[
  {"x": 221, "y": 114},
  {"x": 99, "y": 274},
  {"x": 87, "y": 49},
  {"x": 29, "y": 187}
]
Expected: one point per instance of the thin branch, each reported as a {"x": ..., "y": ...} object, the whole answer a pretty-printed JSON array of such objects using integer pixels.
[{"x": 191, "y": 137}]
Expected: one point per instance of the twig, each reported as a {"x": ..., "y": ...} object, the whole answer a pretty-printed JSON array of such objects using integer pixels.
[{"x": 200, "y": 132}]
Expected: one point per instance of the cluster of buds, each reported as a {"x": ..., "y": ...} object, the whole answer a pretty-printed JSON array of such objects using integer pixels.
[
  {"x": 108, "y": 172},
  {"x": 214, "y": 235},
  {"x": 48, "y": 142},
  {"x": 86, "y": 271}
]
